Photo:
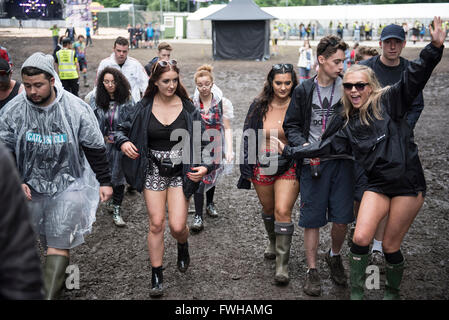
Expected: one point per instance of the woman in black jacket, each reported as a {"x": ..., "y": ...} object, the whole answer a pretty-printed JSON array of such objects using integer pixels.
[
  {"x": 276, "y": 183},
  {"x": 376, "y": 130},
  {"x": 111, "y": 102},
  {"x": 162, "y": 141}
]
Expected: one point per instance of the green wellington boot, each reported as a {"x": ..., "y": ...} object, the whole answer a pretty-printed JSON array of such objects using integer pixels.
[
  {"x": 284, "y": 233},
  {"x": 54, "y": 275},
  {"x": 270, "y": 251},
  {"x": 393, "y": 273},
  {"x": 357, "y": 265}
]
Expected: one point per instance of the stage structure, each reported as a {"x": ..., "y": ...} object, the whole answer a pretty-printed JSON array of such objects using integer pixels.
[{"x": 35, "y": 9}]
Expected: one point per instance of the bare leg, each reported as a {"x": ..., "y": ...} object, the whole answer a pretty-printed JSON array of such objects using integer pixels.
[
  {"x": 373, "y": 208},
  {"x": 311, "y": 241},
  {"x": 155, "y": 202},
  {"x": 402, "y": 214},
  {"x": 177, "y": 214},
  {"x": 266, "y": 198},
  {"x": 285, "y": 193}
]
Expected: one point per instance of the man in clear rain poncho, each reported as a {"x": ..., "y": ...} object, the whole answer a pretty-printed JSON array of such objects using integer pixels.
[{"x": 56, "y": 141}]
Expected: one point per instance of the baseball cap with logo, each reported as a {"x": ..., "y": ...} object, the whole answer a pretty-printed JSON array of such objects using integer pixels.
[
  {"x": 5, "y": 70},
  {"x": 392, "y": 31}
]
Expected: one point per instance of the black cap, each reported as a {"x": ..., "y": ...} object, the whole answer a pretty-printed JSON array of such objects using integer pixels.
[
  {"x": 392, "y": 31},
  {"x": 6, "y": 67},
  {"x": 66, "y": 41}
]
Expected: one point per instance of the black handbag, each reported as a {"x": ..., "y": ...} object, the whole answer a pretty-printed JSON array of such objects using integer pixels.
[
  {"x": 166, "y": 167},
  {"x": 271, "y": 160}
]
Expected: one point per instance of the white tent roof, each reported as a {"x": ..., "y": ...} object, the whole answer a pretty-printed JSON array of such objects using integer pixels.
[
  {"x": 206, "y": 11},
  {"x": 418, "y": 11}
]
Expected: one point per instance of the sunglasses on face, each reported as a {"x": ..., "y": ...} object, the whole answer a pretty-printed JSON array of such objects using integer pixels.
[
  {"x": 164, "y": 63},
  {"x": 359, "y": 86},
  {"x": 285, "y": 66}
]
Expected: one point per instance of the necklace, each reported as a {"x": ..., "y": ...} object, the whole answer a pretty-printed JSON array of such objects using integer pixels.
[{"x": 282, "y": 107}]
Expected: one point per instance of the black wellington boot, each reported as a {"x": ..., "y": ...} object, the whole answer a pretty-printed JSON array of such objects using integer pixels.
[
  {"x": 157, "y": 279},
  {"x": 183, "y": 256}
]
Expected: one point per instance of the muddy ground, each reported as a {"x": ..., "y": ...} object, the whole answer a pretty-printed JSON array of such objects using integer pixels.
[{"x": 227, "y": 257}]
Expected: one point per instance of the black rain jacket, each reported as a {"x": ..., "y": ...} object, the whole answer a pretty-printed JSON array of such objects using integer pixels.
[
  {"x": 384, "y": 148},
  {"x": 135, "y": 129},
  {"x": 297, "y": 124}
]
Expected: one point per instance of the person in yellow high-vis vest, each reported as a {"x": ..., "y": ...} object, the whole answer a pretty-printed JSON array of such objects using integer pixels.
[{"x": 67, "y": 67}]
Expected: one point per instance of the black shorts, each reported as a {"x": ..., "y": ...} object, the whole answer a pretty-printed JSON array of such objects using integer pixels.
[{"x": 409, "y": 184}]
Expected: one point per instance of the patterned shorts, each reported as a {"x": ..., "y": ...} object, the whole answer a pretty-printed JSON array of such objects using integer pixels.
[
  {"x": 154, "y": 181},
  {"x": 267, "y": 180}
]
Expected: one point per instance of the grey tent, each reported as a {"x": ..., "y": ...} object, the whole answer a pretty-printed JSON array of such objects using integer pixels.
[{"x": 241, "y": 30}]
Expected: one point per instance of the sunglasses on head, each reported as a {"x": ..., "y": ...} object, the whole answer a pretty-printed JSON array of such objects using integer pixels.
[
  {"x": 285, "y": 66},
  {"x": 359, "y": 86},
  {"x": 164, "y": 63}
]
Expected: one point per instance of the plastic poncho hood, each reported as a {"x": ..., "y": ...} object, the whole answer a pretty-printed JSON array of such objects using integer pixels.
[{"x": 47, "y": 140}]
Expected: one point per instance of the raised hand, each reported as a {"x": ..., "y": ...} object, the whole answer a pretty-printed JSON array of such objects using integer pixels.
[{"x": 437, "y": 33}]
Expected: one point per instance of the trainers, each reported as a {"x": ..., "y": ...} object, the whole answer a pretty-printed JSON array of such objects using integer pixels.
[
  {"x": 378, "y": 259},
  {"x": 211, "y": 211},
  {"x": 117, "y": 218},
  {"x": 312, "y": 285},
  {"x": 336, "y": 267},
  {"x": 197, "y": 224}
]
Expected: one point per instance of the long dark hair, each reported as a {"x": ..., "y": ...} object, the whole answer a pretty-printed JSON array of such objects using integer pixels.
[
  {"x": 122, "y": 89},
  {"x": 156, "y": 73},
  {"x": 266, "y": 96}
]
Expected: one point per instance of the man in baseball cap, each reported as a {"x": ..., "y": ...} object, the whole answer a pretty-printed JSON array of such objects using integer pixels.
[
  {"x": 392, "y": 31},
  {"x": 8, "y": 88}
]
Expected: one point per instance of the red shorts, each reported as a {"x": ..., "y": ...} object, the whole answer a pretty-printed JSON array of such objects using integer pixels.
[{"x": 264, "y": 180}]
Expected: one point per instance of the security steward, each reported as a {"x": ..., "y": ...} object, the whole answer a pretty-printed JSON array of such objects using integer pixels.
[{"x": 67, "y": 67}]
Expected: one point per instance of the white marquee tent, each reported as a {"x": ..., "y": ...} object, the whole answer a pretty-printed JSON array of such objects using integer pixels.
[{"x": 323, "y": 15}]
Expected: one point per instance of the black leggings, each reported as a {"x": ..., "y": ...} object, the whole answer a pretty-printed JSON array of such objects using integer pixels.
[
  {"x": 199, "y": 200},
  {"x": 118, "y": 194}
]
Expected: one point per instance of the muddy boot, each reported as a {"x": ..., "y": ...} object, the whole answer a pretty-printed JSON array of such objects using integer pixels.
[
  {"x": 85, "y": 80},
  {"x": 157, "y": 279},
  {"x": 284, "y": 232},
  {"x": 357, "y": 265},
  {"x": 393, "y": 274},
  {"x": 54, "y": 275},
  {"x": 183, "y": 256},
  {"x": 270, "y": 251},
  {"x": 116, "y": 216}
]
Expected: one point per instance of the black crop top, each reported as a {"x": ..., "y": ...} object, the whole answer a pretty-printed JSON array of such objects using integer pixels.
[{"x": 159, "y": 134}]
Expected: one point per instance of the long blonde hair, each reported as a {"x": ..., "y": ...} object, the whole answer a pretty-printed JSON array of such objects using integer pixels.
[{"x": 372, "y": 105}]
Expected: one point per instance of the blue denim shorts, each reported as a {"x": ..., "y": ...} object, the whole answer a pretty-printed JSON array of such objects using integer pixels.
[{"x": 329, "y": 198}]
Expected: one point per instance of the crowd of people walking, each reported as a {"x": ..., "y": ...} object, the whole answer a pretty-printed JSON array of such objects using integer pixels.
[{"x": 340, "y": 135}]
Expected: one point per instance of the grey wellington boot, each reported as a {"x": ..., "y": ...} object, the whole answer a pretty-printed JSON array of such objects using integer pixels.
[
  {"x": 270, "y": 251},
  {"x": 54, "y": 275},
  {"x": 284, "y": 233}
]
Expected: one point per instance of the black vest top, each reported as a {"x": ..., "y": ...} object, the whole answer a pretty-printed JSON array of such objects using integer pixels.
[{"x": 12, "y": 94}]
